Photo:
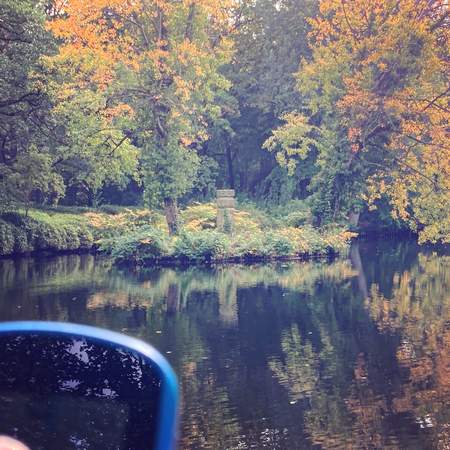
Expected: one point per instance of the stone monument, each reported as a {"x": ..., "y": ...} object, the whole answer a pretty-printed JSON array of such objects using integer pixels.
[{"x": 225, "y": 210}]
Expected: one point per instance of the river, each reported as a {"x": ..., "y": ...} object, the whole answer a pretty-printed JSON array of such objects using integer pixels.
[{"x": 353, "y": 353}]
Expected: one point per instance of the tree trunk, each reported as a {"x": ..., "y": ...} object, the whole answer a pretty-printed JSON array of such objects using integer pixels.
[
  {"x": 171, "y": 213},
  {"x": 353, "y": 218},
  {"x": 27, "y": 203},
  {"x": 230, "y": 167}
]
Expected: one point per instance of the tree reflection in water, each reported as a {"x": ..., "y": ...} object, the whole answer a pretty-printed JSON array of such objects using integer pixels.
[
  {"x": 345, "y": 354},
  {"x": 418, "y": 309}
]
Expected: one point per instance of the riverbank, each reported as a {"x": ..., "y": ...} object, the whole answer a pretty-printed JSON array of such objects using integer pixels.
[{"x": 140, "y": 236}]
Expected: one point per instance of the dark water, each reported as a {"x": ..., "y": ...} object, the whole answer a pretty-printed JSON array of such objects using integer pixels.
[{"x": 349, "y": 354}]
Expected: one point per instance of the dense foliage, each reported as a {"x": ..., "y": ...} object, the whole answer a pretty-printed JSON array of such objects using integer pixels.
[
  {"x": 158, "y": 102},
  {"x": 201, "y": 242},
  {"x": 139, "y": 235},
  {"x": 375, "y": 109},
  {"x": 20, "y": 234}
]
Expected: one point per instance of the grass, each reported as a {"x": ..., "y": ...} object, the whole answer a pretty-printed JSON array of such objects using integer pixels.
[
  {"x": 140, "y": 236},
  {"x": 256, "y": 236}
]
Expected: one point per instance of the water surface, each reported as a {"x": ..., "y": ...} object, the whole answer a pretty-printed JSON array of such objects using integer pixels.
[{"x": 307, "y": 355}]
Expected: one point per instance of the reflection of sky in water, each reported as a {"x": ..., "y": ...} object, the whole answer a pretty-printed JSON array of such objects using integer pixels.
[
  {"x": 79, "y": 443},
  {"x": 69, "y": 385},
  {"x": 302, "y": 355},
  {"x": 78, "y": 348},
  {"x": 81, "y": 389}
]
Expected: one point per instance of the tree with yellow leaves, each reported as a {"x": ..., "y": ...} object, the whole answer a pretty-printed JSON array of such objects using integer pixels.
[
  {"x": 158, "y": 62},
  {"x": 376, "y": 111}
]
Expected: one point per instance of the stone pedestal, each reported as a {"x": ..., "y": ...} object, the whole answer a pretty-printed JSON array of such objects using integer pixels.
[{"x": 225, "y": 210}]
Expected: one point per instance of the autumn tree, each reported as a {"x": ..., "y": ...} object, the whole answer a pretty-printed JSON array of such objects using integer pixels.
[
  {"x": 92, "y": 143},
  {"x": 182, "y": 83},
  {"x": 55, "y": 130},
  {"x": 376, "y": 111},
  {"x": 159, "y": 62}
]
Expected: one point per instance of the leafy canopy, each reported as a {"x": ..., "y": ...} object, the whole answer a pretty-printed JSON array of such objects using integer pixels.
[
  {"x": 376, "y": 109},
  {"x": 157, "y": 61}
]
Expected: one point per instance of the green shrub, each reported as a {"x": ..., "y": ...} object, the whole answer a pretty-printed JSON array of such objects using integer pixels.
[
  {"x": 298, "y": 219},
  {"x": 86, "y": 238},
  {"x": 147, "y": 243},
  {"x": 13, "y": 239},
  {"x": 140, "y": 234},
  {"x": 259, "y": 216},
  {"x": 278, "y": 245},
  {"x": 261, "y": 245},
  {"x": 47, "y": 237},
  {"x": 14, "y": 218},
  {"x": 249, "y": 245},
  {"x": 21, "y": 244},
  {"x": 283, "y": 210},
  {"x": 45, "y": 231},
  {"x": 203, "y": 245},
  {"x": 7, "y": 238},
  {"x": 31, "y": 228},
  {"x": 314, "y": 241},
  {"x": 69, "y": 238}
]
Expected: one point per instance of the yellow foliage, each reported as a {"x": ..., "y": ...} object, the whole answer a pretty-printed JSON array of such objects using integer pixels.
[
  {"x": 99, "y": 36},
  {"x": 383, "y": 67},
  {"x": 244, "y": 223},
  {"x": 199, "y": 216}
]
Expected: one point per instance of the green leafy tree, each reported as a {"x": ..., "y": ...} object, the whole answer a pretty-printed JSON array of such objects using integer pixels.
[
  {"x": 91, "y": 148},
  {"x": 270, "y": 39},
  {"x": 24, "y": 107},
  {"x": 375, "y": 108},
  {"x": 183, "y": 84},
  {"x": 49, "y": 118},
  {"x": 160, "y": 60},
  {"x": 32, "y": 176}
]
